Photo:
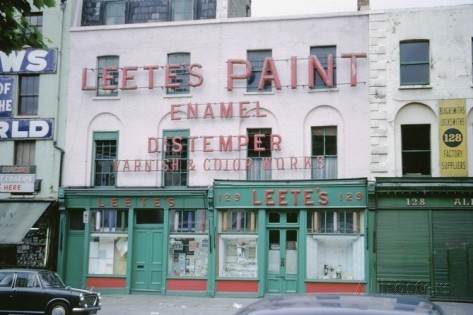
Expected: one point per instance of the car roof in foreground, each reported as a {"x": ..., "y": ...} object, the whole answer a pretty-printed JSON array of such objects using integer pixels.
[{"x": 342, "y": 304}]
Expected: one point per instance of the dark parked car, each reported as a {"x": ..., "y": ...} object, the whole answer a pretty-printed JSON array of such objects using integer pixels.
[
  {"x": 43, "y": 292},
  {"x": 342, "y": 304}
]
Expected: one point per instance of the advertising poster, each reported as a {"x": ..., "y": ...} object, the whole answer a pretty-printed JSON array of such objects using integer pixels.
[{"x": 452, "y": 128}]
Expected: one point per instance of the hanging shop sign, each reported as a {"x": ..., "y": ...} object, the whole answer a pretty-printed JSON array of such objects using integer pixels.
[
  {"x": 6, "y": 96},
  {"x": 15, "y": 129},
  {"x": 452, "y": 128},
  {"x": 17, "y": 179},
  {"x": 29, "y": 61}
]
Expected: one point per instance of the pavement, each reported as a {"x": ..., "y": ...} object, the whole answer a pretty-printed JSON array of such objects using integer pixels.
[{"x": 148, "y": 304}]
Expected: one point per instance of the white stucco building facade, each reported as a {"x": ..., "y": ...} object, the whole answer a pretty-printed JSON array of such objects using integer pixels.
[{"x": 265, "y": 124}]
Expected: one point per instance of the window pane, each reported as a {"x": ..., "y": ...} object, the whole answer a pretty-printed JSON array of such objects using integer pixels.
[
  {"x": 335, "y": 257},
  {"x": 182, "y": 10},
  {"x": 105, "y": 155},
  {"x": 415, "y": 74},
  {"x": 149, "y": 216},
  {"x": 115, "y": 12},
  {"x": 414, "y": 52},
  {"x": 324, "y": 152},
  {"x": 35, "y": 20},
  {"x": 416, "y": 155},
  {"x": 176, "y": 161},
  {"x": 108, "y": 241},
  {"x": 28, "y": 97},
  {"x": 238, "y": 256},
  {"x": 188, "y": 221},
  {"x": 107, "y": 62},
  {"x": 182, "y": 73},
  {"x": 322, "y": 53},
  {"x": 414, "y": 63},
  {"x": 256, "y": 58},
  {"x": 25, "y": 152},
  {"x": 236, "y": 220},
  {"x": 76, "y": 220}
]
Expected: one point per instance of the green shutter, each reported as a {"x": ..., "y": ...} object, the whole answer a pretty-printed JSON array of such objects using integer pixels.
[
  {"x": 402, "y": 252},
  {"x": 453, "y": 254}
]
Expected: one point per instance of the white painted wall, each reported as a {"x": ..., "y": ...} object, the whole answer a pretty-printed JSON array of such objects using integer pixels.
[
  {"x": 145, "y": 113},
  {"x": 450, "y": 32}
]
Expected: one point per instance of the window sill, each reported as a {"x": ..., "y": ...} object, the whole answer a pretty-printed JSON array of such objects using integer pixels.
[
  {"x": 323, "y": 90},
  {"x": 177, "y": 96},
  {"x": 335, "y": 280},
  {"x": 259, "y": 93},
  {"x": 106, "y": 98},
  {"x": 415, "y": 87}
]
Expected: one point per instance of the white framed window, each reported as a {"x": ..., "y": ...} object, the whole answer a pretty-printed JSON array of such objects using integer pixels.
[
  {"x": 324, "y": 152},
  {"x": 414, "y": 62},
  {"x": 260, "y": 168},
  {"x": 110, "y": 63}
]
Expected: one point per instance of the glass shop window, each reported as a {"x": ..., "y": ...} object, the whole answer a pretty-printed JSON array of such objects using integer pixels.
[
  {"x": 108, "y": 242},
  {"x": 188, "y": 243},
  {"x": 237, "y": 243},
  {"x": 335, "y": 245},
  {"x": 237, "y": 256}
]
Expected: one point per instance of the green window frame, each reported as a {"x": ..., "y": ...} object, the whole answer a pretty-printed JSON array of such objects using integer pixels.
[
  {"x": 105, "y": 154},
  {"x": 176, "y": 175},
  {"x": 414, "y": 62}
]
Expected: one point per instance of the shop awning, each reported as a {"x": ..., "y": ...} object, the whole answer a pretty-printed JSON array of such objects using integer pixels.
[{"x": 16, "y": 218}]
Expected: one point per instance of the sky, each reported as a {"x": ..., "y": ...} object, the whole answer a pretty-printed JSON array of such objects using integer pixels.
[{"x": 260, "y": 8}]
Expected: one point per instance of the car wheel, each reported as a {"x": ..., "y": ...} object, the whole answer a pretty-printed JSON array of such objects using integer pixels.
[{"x": 59, "y": 308}]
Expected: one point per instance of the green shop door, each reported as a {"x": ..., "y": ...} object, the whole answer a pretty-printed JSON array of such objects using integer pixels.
[
  {"x": 282, "y": 260},
  {"x": 147, "y": 265},
  {"x": 74, "y": 259}
]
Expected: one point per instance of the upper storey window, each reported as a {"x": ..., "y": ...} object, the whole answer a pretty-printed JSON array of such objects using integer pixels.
[
  {"x": 109, "y": 12},
  {"x": 415, "y": 63},
  {"x": 114, "y": 12}
]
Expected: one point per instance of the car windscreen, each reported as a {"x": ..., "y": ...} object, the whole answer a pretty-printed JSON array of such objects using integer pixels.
[{"x": 52, "y": 280}]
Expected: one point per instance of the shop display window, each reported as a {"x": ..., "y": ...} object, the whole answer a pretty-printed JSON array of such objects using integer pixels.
[
  {"x": 237, "y": 256},
  {"x": 188, "y": 255},
  {"x": 335, "y": 245},
  {"x": 33, "y": 252},
  {"x": 108, "y": 242},
  {"x": 188, "y": 243},
  {"x": 237, "y": 220}
]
